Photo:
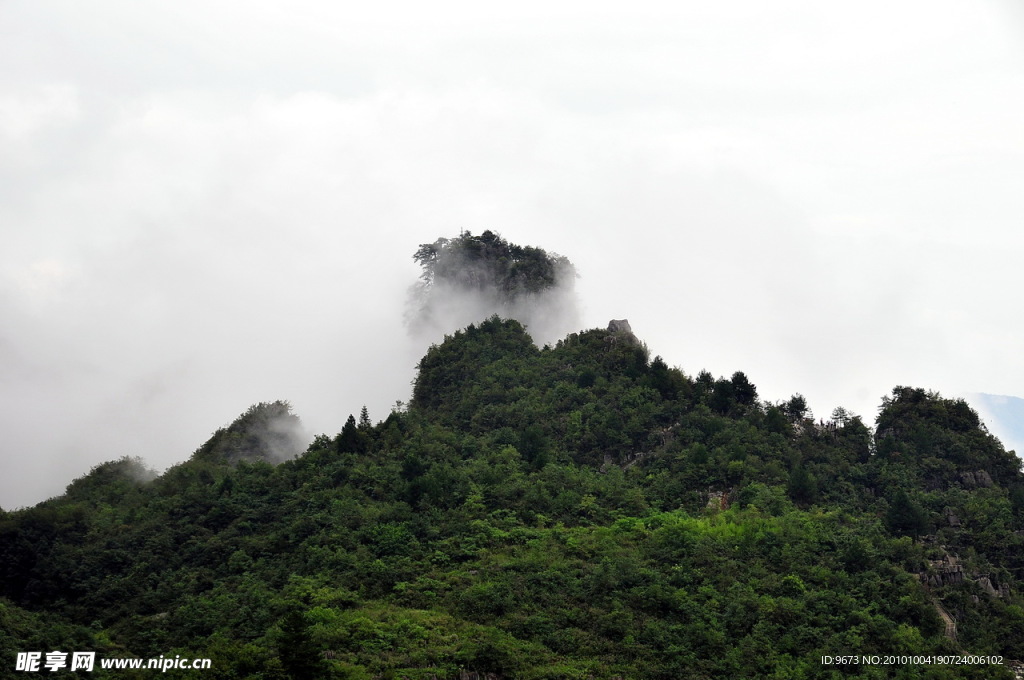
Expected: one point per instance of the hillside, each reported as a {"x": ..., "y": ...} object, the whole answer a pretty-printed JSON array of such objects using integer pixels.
[{"x": 573, "y": 511}]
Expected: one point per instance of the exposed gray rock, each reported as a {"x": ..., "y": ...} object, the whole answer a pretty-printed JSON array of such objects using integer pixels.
[
  {"x": 717, "y": 500},
  {"x": 619, "y": 326},
  {"x": 945, "y": 571},
  {"x": 980, "y": 478},
  {"x": 621, "y": 332},
  {"x": 986, "y": 585}
]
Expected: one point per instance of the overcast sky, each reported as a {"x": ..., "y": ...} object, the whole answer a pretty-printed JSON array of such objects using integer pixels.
[{"x": 208, "y": 204}]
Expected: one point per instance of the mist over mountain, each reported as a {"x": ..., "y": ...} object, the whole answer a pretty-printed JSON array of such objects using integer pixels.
[
  {"x": 267, "y": 432},
  {"x": 470, "y": 278},
  {"x": 797, "y": 206},
  {"x": 191, "y": 224}
]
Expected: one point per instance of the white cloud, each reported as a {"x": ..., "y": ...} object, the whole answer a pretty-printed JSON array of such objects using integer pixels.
[
  {"x": 206, "y": 206},
  {"x": 27, "y": 113}
]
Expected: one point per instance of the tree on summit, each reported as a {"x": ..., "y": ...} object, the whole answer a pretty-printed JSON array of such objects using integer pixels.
[
  {"x": 470, "y": 278},
  {"x": 490, "y": 263},
  {"x": 743, "y": 389}
]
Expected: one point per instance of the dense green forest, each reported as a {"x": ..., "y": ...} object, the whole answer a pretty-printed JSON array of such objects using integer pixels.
[{"x": 573, "y": 511}]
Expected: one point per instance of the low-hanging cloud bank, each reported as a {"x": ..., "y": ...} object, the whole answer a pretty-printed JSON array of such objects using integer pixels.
[{"x": 824, "y": 197}]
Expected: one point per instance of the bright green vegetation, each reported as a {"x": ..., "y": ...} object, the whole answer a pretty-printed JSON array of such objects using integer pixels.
[{"x": 543, "y": 513}]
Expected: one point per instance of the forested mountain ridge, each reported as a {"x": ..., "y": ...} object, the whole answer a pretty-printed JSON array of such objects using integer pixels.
[{"x": 572, "y": 511}]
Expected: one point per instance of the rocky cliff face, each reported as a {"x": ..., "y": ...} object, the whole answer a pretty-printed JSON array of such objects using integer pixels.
[
  {"x": 621, "y": 332},
  {"x": 971, "y": 480}
]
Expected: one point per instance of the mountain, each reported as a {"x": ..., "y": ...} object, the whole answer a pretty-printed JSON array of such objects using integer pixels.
[{"x": 579, "y": 510}]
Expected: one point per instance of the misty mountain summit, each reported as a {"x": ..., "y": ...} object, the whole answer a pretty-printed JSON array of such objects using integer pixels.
[
  {"x": 470, "y": 278},
  {"x": 267, "y": 432}
]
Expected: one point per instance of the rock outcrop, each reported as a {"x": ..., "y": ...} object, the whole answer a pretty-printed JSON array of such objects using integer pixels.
[
  {"x": 621, "y": 332},
  {"x": 971, "y": 480},
  {"x": 944, "y": 572}
]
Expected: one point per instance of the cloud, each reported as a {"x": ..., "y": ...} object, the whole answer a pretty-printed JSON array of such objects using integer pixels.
[
  {"x": 209, "y": 206},
  {"x": 467, "y": 279},
  {"x": 31, "y": 111}
]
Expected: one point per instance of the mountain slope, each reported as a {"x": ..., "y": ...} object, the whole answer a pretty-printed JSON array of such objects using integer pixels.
[{"x": 573, "y": 511}]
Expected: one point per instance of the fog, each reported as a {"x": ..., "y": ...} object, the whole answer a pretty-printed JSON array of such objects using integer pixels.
[
  {"x": 470, "y": 278},
  {"x": 208, "y": 205}
]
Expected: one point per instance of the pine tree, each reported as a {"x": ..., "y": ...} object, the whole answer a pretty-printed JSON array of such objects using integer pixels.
[
  {"x": 297, "y": 651},
  {"x": 905, "y": 516},
  {"x": 350, "y": 439}
]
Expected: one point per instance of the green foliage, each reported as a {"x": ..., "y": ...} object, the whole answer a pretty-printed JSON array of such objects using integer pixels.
[
  {"x": 489, "y": 262},
  {"x": 266, "y": 432},
  {"x": 906, "y": 517},
  {"x": 300, "y": 656},
  {"x": 576, "y": 511},
  {"x": 803, "y": 487},
  {"x": 352, "y": 438}
]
